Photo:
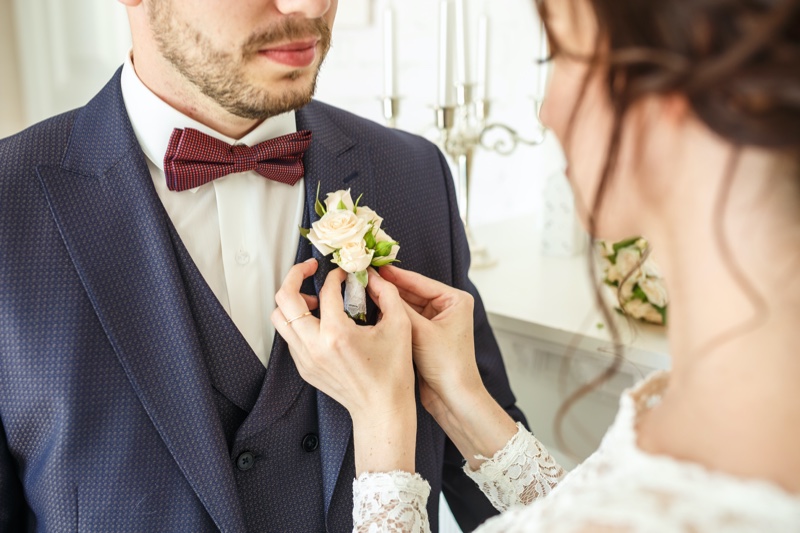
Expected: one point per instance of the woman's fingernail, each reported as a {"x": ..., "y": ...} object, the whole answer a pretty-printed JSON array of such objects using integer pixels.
[{"x": 309, "y": 260}]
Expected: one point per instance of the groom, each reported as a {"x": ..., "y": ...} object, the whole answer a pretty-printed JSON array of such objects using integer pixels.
[{"x": 142, "y": 387}]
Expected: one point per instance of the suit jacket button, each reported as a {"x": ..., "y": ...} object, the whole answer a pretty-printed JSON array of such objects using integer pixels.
[
  {"x": 245, "y": 461},
  {"x": 310, "y": 442}
]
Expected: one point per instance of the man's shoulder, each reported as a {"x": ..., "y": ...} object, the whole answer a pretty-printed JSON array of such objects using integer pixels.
[
  {"x": 42, "y": 143},
  {"x": 365, "y": 131}
]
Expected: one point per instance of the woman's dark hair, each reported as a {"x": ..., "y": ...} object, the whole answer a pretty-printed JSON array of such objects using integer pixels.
[{"x": 736, "y": 62}]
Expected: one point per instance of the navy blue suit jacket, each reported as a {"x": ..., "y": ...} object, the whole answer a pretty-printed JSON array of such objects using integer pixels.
[{"x": 106, "y": 416}]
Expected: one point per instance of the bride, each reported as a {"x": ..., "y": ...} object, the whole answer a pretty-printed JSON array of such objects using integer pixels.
[{"x": 681, "y": 122}]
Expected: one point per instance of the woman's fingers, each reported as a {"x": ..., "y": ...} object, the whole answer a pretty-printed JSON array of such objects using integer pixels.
[
  {"x": 414, "y": 283},
  {"x": 331, "y": 303},
  {"x": 285, "y": 330},
  {"x": 419, "y": 323},
  {"x": 292, "y": 304},
  {"x": 385, "y": 295},
  {"x": 311, "y": 301},
  {"x": 431, "y": 296}
]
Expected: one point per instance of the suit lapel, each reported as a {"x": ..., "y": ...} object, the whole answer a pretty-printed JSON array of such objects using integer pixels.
[
  {"x": 116, "y": 233},
  {"x": 334, "y": 162}
]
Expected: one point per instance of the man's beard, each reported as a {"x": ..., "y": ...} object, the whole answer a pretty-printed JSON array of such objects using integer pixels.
[{"x": 221, "y": 75}]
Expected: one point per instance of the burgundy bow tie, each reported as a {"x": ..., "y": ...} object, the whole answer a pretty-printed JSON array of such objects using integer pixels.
[{"x": 194, "y": 158}]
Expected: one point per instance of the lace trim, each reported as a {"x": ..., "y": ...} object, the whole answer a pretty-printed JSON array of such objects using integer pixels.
[
  {"x": 522, "y": 472},
  {"x": 390, "y": 502}
]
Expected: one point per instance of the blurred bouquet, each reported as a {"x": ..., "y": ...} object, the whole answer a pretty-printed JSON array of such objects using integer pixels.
[{"x": 638, "y": 286}]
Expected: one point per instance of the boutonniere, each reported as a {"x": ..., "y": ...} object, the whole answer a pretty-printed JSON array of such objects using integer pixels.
[
  {"x": 352, "y": 234},
  {"x": 637, "y": 283}
]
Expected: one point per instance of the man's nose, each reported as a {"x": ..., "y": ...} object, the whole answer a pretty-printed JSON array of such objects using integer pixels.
[{"x": 308, "y": 8}]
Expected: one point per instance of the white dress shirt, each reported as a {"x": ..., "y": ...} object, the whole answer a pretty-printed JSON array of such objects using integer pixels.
[{"x": 241, "y": 230}]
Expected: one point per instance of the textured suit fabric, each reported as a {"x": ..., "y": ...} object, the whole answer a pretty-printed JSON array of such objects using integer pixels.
[
  {"x": 279, "y": 448},
  {"x": 121, "y": 407}
]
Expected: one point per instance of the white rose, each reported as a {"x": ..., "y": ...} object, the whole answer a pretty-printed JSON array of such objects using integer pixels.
[
  {"x": 655, "y": 291},
  {"x": 382, "y": 236},
  {"x": 627, "y": 259},
  {"x": 333, "y": 200},
  {"x": 643, "y": 311},
  {"x": 626, "y": 291},
  {"x": 612, "y": 273},
  {"x": 605, "y": 248},
  {"x": 370, "y": 216},
  {"x": 336, "y": 229},
  {"x": 650, "y": 269},
  {"x": 354, "y": 257}
]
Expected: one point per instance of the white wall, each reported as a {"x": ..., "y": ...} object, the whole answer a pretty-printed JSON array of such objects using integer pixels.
[
  {"x": 503, "y": 187},
  {"x": 11, "y": 116}
]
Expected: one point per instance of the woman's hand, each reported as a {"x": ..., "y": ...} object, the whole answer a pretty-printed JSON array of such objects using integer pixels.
[
  {"x": 451, "y": 388},
  {"x": 443, "y": 341},
  {"x": 367, "y": 369}
]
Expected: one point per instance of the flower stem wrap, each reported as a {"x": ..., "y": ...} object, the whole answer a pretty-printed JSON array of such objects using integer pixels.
[{"x": 355, "y": 298}]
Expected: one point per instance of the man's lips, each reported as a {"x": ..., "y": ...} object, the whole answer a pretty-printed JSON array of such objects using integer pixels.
[{"x": 296, "y": 54}]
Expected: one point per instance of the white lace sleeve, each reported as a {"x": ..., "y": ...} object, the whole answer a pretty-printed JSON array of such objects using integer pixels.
[
  {"x": 518, "y": 474},
  {"x": 390, "y": 502}
]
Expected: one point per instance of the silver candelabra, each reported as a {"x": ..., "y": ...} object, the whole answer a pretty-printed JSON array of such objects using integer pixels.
[{"x": 462, "y": 129}]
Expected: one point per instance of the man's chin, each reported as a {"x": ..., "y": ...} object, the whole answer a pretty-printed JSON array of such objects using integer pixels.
[{"x": 275, "y": 104}]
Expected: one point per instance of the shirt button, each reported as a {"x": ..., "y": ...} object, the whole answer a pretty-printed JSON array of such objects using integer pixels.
[
  {"x": 245, "y": 461},
  {"x": 242, "y": 257},
  {"x": 310, "y": 442}
]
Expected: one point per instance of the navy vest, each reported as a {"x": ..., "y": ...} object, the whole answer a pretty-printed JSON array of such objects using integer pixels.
[{"x": 276, "y": 465}]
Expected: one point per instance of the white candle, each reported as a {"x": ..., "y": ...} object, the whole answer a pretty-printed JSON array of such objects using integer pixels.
[
  {"x": 446, "y": 87},
  {"x": 389, "y": 67},
  {"x": 541, "y": 66},
  {"x": 462, "y": 54},
  {"x": 482, "y": 67}
]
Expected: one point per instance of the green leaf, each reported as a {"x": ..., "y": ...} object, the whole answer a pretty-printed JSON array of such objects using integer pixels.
[
  {"x": 383, "y": 261},
  {"x": 355, "y": 206},
  {"x": 382, "y": 249},
  {"x": 304, "y": 232},
  {"x": 663, "y": 312},
  {"x": 341, "y": 206},
  {"x": 624, "y": 244},
  {"x": 318, "y": 207},
  {"x": 639, "y": 294},
  {"x": 369, "y": 238},
  {"x": 362, "y": 277}
]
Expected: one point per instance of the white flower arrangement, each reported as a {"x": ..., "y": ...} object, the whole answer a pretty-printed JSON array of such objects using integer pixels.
[
  {"x": 353, "y": 235},
  {"x": 638, "y": 285}
]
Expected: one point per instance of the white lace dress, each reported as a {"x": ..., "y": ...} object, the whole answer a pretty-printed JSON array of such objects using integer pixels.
[{"x": 619, "y": 489}]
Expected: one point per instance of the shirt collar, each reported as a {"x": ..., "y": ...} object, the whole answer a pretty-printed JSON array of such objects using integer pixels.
[{"x": 153, "y": 120}]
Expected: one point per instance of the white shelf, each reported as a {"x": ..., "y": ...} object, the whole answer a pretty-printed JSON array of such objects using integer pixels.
[{"x": 551, "y": 298}]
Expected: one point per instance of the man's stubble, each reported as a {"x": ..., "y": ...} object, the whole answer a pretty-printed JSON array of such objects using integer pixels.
[{"x": 221, "y": 75}]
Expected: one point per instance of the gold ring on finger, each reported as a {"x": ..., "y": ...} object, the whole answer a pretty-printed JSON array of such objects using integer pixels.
[{"x": 288, "y": 322}]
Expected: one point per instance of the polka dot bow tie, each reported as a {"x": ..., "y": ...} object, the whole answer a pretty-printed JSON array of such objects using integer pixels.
[{"x": 194, "y": 158}]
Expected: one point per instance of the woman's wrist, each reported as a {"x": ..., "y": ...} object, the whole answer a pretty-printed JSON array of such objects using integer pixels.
[
  {"x": 476, "y": 424},
  {"x": 385, "y": 439}
]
